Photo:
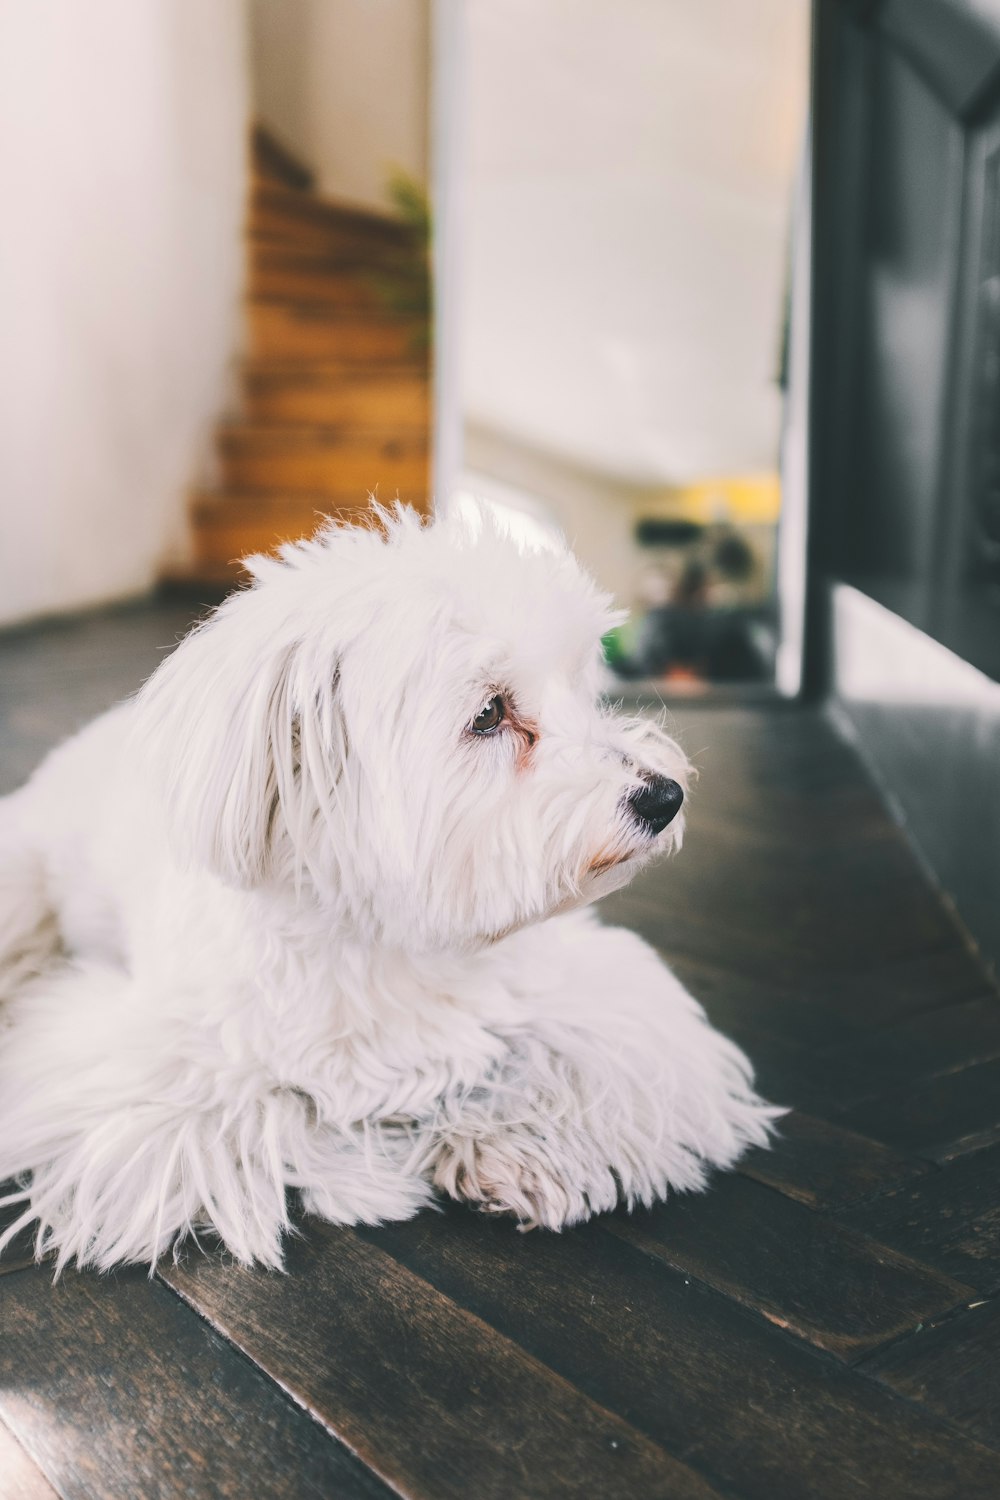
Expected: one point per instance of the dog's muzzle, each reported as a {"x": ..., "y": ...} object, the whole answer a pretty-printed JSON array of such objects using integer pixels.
[{"x": 655, "y": 804}]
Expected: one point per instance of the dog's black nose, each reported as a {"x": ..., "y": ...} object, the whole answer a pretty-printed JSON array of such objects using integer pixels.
[{"x": 656, "y": 803}]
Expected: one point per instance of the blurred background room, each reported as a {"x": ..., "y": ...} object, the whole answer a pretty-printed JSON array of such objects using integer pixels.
[
  {"x": 220, "y": 235},
  {"x": 627, "y": 184}
]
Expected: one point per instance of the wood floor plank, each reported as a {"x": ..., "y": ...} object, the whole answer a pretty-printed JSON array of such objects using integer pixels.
[
  {"x": 921, "y": 1047},
  {"x": 758, "y": 1412},
  {"x": 953, "y": 1369},
  {"x": 730, "y": 831},
  {"x": 846, "y": 1009},
  {"x": 833, "y": 1288},
  {"x": 949, "y": 1219},
  {"x": 735, "y": 1002},
  {"x": 759, "y": 891},
  {"x": 118, "y": 1390},
  {"x": 763, "y": 947},
  {"x": 788, "y": 1074},
  {"x": 849, "y": 1078},
  {"x": 867, "y": 902},
  {"x": 56, "y": 676},
  {"x": 881, "y": 994},
  {"x": 20, "y": 1478},
  {"x": 786, "y": 780},
  {"x": 846, "y": 1079},
  {"x": 940, "y": 1118},
  {"x": 824, "y": 1166},
  {"x": 431, "y": 1398}
]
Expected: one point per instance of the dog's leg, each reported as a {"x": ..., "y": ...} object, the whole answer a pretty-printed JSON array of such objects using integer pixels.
[
  {"x": 363, "y": 1176},
  {"x": 619, "y": 1090},
  {"x": 123, "y": 1136},
  {"x": 130, "y": 1128}
]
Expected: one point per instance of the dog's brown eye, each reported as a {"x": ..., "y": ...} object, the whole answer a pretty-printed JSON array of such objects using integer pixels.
[{"x": 490, "y": 716}]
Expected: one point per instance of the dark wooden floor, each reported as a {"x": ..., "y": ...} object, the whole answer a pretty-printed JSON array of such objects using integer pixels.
[{"x": 822, "y": 1323}]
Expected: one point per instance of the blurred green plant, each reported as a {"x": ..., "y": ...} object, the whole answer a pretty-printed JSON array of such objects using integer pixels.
[
  {"x": 409, "y": 198},
  {"x": 403, "y": 282},
  {"x": 619, "y": 642}
]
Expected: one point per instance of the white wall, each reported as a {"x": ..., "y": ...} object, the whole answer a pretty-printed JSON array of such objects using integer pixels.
[
  {"x": 627, "y": 184},
  {"x": 343, "y": 84},
  {"x": 122, "y": 171}
]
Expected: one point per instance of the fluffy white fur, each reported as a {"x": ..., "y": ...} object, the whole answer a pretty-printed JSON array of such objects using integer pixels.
[{"x": 284, "y": 922}]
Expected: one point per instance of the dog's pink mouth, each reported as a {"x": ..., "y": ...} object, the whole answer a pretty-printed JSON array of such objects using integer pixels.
[{"x": 611, "y": 859}]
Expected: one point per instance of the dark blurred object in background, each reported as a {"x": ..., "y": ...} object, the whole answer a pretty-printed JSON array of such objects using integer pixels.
[{"x": 703, "y": 609}]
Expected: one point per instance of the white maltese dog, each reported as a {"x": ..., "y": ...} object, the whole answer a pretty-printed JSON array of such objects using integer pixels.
[{"x": 305, "y": 915}]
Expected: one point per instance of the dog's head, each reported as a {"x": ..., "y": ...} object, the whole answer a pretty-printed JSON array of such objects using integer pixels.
[{"x": 404, "y": 723}]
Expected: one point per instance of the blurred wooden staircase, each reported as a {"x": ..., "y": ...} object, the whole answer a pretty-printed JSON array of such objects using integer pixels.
[{"x": 334, "y": 390}]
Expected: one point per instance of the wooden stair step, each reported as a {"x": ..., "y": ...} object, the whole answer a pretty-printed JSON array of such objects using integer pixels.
[
  {"x": 336, "y": 386},
  {"x": 275, "y": 234},
  {"x": 265, "y": 234},
  {"x": 312, "y": 331},
  {"x": 323, "y": 459},
  {"x": 339, "y": 247},
  {"x": 228, "y": 525},
  {"x": 362, "y": 256},
  {"x": 336, "y": 256},
  {"x": 282, "y": 213},
  {"x": 331, "y": 395},
  {"x": 314, "y": 281},
  {"x": 277, "y": 275},
  {"x": 309, "y": 208}
]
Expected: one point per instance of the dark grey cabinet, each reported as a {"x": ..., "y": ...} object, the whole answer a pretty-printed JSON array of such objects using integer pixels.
[{"x": 905, "y": 481}]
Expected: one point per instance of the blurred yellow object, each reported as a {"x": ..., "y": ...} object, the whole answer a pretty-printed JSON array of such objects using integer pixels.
[{"x": 747, "y": 498}]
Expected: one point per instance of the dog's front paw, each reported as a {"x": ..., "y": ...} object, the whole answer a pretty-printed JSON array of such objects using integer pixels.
[{"x": 513, "y": 1172}]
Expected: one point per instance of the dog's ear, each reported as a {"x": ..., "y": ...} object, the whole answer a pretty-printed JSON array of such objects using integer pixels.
[{"x": 219, "y": 727}]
